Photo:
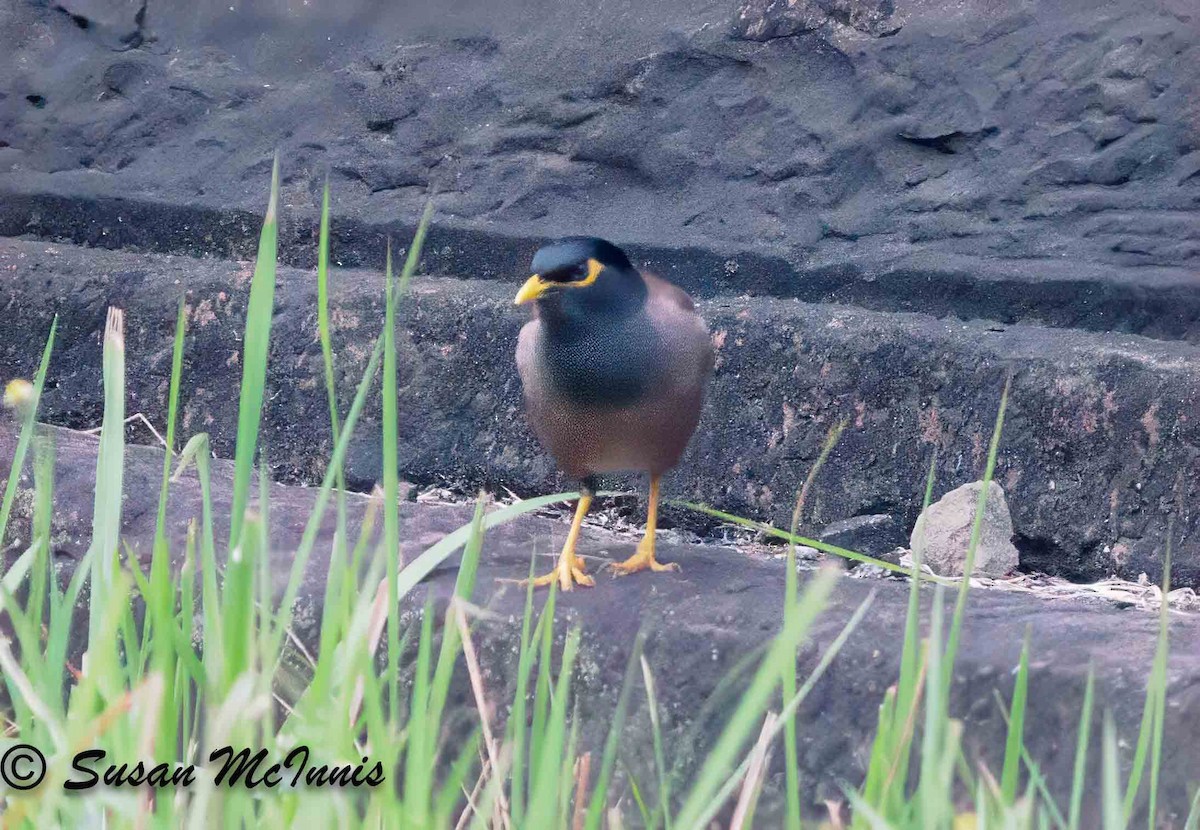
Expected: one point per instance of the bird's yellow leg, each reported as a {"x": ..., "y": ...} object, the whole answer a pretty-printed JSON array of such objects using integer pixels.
[
  {"x": 569, "y": 571},
  {"x": 644, "y": 558}
]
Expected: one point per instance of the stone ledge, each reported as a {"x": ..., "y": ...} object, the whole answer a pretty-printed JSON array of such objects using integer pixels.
[
  {"x": 1159, "y": 302},
  {"x": 1100, "y": 446}
]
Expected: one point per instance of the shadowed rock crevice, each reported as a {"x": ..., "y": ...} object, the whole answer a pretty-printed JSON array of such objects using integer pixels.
[{"x": 1085, "y": 563}]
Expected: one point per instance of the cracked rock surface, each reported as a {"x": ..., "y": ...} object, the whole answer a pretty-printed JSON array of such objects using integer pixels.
[{"x": 839, "y": 134}]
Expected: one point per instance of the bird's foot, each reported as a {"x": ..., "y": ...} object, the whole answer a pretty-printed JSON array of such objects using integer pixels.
[
  {"x": 643, "y": 560},
  {"x": 568, "y": 573}
]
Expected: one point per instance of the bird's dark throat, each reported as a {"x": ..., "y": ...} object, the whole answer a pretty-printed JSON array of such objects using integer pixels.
[{"x": 603, "y": 361}]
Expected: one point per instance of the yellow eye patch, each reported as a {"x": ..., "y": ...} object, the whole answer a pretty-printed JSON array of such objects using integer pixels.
[
  {"x": 536, "y": 285},
  {"x": 594, "y": 268}
]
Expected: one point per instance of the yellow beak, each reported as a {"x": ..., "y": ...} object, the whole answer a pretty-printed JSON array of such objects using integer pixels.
[{"x": 533, "y": 288}]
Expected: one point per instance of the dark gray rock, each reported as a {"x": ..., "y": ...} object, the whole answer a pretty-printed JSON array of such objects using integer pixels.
[
  {"x": 876, "y": 535},
  {"x": 1020, "y": 164},
  {"x": 708, "y": 618},
  {"x": 1099, "y": 435}
]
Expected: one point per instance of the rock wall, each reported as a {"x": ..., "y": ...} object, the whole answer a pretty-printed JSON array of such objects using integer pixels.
[
  {"x": 1100, "y": 446},
  {"x": 899, "y": 166},
  {"x": 823, "y": 130}
]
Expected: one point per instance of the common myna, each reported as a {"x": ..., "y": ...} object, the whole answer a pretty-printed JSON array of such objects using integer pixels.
[{"x": 614, "y": 365}]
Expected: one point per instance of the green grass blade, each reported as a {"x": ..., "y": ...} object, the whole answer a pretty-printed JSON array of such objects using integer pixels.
[
  {"x": 1048, "y": 809},
  {"x": 27, "y": 410},
  {"x": 648, "y": 820},
  {"x": 517, "y": 729},
  {"x": 160, "y": 522},
  {"x": 771, "y": 530},
  {"x": 887, "y": 771},
  {"x": 791, "y": 706},
  {"x": 451, "y": 790},
  {"x": 313, "y": 525},
  {"x": 595, "y": 810},
  {"x": 547, "y": 780},
  {"x": 1150, "y": 732},
  {"x": 790, "y": 590},
  {"x": 197, "y": 449},
  {"x": 742, "y": 724},
  {"x": 416, "y": 571},
  {"x": 869, "y": 815},
  {"x": 930, "y": 801},
  {"x": 1079, "y": 779},
  {"x": 542, "y": 687},
  {"x": 567, "y": 769},
  {"x": 333, "y": 609},
  {"x": 255, "y": 350},
  {"x": 110, "y": 470},
  {"x": 1114, "y": 813},
  {"x": 1010, "y": 777},
  {"x": 413, "y": 258},
  {"x": 1155, "y": 688},
  {"x": 323, "y": 325},
  {"x": 43, "y": 511},
  {"x": 1193, "y": 818},
  {"x": 391, "y": 483},
  {"x": 960, "y": 605},
  {"x": 464, "y": 587},
  {"x": 418, "y": 759},
  {"x": 899, "y": 742},
  {"x": 237, "y": 601},
  {"x": 660, "y": 762},
  {"x": 160, "y": 599},
  {"x": 391, "y": 486}
]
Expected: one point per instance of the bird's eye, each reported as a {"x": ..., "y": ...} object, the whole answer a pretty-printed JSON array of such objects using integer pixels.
[{"x": 570, "y": 273}]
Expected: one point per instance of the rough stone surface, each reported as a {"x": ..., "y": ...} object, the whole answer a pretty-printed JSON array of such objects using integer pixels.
[
  {"x": 703, "y": 622},
  {"x": 1101, "y": 445},
  {"x": 876, "y": 535},
  {"x": 997, "y": 159},
  {"x": 767, "y": 20},
  {"x": 1012, "y": 163},
  {"x": 945, "y": 530}
]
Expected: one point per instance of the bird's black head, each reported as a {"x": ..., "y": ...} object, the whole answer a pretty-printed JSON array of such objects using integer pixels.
[{"x": 578, "y": 276}]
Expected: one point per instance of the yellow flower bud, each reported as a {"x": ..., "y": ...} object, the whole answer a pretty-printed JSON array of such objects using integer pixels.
[{"x": 18, "y": 394}]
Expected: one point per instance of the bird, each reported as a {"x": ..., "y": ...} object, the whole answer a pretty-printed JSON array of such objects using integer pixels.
[{"x": 614, "y": 364}]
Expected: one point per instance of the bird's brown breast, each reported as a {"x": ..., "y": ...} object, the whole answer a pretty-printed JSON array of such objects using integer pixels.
[{"x": 657, "y": 363}]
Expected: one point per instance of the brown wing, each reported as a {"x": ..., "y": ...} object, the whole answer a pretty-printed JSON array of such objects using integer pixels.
[
  {"x": 674, "y": 313},
  {"x": 668, "y": 292}
]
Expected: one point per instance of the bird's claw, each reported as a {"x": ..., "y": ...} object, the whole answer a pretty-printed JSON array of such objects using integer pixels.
[
  {"x": 567, "y": 574},
  {"x": 643, "y": 560}
]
